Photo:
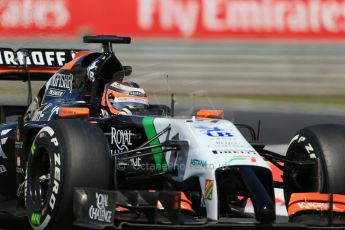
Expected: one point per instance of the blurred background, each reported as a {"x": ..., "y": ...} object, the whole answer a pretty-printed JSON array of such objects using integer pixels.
[{"x": 278, "y": 61}]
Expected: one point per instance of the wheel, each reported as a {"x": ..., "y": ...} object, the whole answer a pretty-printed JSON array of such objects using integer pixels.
[
  {"x": 64, "y": 154},
  {"x": 326, "y": 143}
]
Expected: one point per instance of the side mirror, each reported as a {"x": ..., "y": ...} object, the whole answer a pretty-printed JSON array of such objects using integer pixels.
[{"x": 128, "y": 70}]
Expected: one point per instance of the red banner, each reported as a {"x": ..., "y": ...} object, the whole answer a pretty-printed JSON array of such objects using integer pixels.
[{"x": 194, "y": 19}]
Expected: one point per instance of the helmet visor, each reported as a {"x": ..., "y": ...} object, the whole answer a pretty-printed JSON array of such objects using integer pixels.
[{"x": 120, "y": 103}]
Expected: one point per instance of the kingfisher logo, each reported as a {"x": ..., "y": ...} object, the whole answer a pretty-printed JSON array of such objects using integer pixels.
[{"x": 214, "y": 131}]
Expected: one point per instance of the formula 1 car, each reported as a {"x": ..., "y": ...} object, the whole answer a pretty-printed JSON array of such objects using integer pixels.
[{"x": 68, "y": 160}]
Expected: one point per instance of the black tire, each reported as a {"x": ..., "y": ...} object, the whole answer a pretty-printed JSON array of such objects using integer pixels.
[
  {"x": 326, "y": 143},
  {"x": 74, "y": 154}
]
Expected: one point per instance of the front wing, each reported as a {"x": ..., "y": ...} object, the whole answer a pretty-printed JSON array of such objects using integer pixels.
[{"x": 130, "y": 209}]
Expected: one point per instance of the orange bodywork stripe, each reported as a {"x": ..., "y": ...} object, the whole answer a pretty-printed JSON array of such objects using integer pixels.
[
  {"x": 315, "y": 202},
  {"x": 35, "y": 69},
  {"x": 69, "y": 112},
  {"x": 276, "y": 172},
  {"x": 205, "y": 113},
  {"x": 186, "y": 204},
  {"x": 121, "y": 209}
]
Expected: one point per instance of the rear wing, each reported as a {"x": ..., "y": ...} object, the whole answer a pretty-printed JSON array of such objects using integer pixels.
[{"x": 40, "y": 63}]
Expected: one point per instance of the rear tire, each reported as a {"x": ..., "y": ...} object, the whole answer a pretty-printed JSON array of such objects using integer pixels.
[
  {"x": 65, "y": 154},
  {"x": 326, "y": 143}
]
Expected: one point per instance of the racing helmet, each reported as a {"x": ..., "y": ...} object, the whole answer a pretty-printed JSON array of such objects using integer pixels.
[{"x": 123, "y": 97}]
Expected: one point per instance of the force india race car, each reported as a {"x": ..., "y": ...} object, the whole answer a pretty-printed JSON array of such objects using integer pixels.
[{"x": 64, "y": 163}]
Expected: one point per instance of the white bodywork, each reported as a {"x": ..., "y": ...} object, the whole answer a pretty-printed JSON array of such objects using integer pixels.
[{"x": 212, "y": 144}]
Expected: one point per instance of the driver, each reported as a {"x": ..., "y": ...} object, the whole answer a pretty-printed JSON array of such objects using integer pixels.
[{"x": 122, "y": 98}]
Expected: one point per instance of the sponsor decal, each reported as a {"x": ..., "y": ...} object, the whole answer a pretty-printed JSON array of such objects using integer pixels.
[
  {"x": 46, "y": 113},
  {"x": 100, "y": 212},
  {"x": 20, "y": 170},
  {"x": 214, "y": 131},
  {"x": 234, "y": 152},
  {"x": 221, "y": 18},
  {"x": 132, "y": 100},
  {"x": 137, "y": 93},
  {"x": 34, "y": 14},
  {"x": 62, "y": 81},
  {"x": 19, "y": 144},
  {"x": 198, "y": 163},
  {"x": 57, "y": 178},
  {"x": 242, "y": 158},
  {"x": 36, "y": 219},
  {"x": 55, "y": 92},
  {"x": 54, "y": 111},
  {"x": 121, "y": 138},
  {"x": 308, "y": 147},
  {"x": 238, "y": 158},
  {"x": 91, "y": 70},
  {"x": 205, "y": 19},
  {"x": 136, "y": 162},
  {"x": 2, "y": 169},
  {"x": 51, "y": 58},
  {"x": 313, "y": 205},
  {"x": 3, "y": 141},
  {"x": 208, "y": 189},
  {"x": 21, "y": 189}
]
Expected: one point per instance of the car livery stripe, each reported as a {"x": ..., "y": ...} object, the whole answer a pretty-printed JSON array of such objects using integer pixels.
[
  {"x": 208, "y": 189},
  {"x": 150, "y": 131}
]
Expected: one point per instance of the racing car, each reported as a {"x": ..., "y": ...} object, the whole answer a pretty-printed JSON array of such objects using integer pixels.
[{"x": 91, "y": 150}]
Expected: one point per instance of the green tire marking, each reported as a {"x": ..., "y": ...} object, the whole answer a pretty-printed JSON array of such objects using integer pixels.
[
  {"x": 36, "y": 219},
  {"x": 150, "y": 133},
  {"x": 33, "y": 148}
]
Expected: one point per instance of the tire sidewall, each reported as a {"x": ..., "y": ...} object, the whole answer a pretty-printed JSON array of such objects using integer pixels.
[
  {"x": 306, "y": 146},
  {"x": 48, "y": 140}
]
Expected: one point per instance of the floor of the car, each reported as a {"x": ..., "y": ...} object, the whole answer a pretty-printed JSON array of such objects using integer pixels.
[
  {"x": 225, "y": 220},
  {"x": 10, "y": 208}
]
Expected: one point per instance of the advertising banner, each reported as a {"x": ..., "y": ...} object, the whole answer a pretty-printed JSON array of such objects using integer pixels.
[{"x": 176, "y": 19}]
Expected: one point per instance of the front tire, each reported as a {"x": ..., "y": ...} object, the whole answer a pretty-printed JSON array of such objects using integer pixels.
[
  {"x": 326, "y": 144},
  {"x": 65, "y": 154}
]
